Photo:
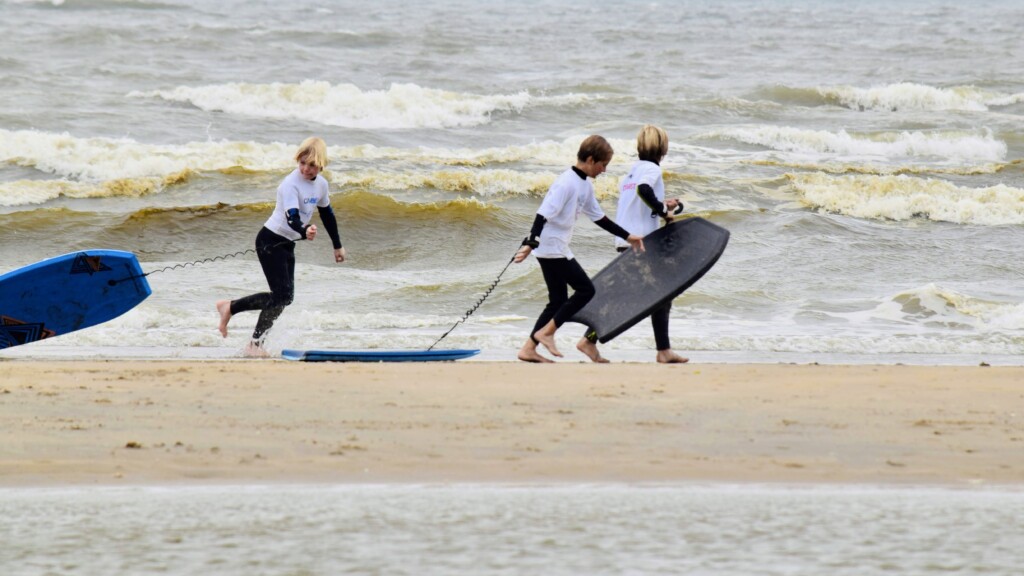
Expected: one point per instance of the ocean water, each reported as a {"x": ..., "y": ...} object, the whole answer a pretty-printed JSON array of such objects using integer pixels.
[
  {"x": 724, "y": 530},
  {"x": 865, "y": 156}
]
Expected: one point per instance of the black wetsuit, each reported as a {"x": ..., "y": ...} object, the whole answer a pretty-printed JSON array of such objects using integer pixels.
[
  {"x": 277, "y": 257},
  {"x": 560, "y": 274}
]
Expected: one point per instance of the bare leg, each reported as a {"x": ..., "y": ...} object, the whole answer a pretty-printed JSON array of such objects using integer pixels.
[
  {"x": 670, "y": 357},
  {"x": 546, "y": 336},
  {"x": 528, "y": 353},
  {"x": 590, "y": 349},
  {"x": 224, "y": 309},
  {"x": 256, "y": 350}
]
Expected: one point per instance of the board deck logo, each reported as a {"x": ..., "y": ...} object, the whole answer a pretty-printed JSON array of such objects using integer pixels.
[
  {"x": 14, "y": 332},
  {"x": 85, "y": 264}
]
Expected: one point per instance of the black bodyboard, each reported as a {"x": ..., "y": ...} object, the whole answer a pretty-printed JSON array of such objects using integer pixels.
[{"x": 633, "y": 285}]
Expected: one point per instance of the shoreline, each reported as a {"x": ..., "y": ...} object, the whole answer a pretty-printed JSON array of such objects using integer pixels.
[
  {"x": 39, "y": 352},
  {"x": 227, "y": 422}
]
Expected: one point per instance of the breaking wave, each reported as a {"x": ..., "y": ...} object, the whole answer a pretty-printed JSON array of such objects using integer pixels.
[
  {"x": 902, "y": 197},
  {"x": 401, "y": 106}
]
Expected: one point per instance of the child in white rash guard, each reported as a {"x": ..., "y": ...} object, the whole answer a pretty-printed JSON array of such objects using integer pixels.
[
  {"x": 570, "y": 195},
  {"x": 302, "y": 190},
  {"x": 642, "y": 207}
]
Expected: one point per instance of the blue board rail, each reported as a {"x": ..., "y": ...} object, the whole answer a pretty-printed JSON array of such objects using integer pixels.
[{"x": 377, "y": 355}]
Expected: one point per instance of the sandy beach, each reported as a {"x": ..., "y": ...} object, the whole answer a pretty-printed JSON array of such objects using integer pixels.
[{"x": 146, "y": 422}]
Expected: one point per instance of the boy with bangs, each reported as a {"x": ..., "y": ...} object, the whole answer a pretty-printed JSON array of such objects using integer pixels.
[
  {"x": 301, "y": 190},
  {"x": 570, "y": 195}
]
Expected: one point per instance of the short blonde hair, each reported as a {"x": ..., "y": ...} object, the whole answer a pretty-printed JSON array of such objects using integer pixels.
[
  {"x": 313, "y": 149},
  {"x": 596, "y": 147},
  {"x": 651, "y": 143}
]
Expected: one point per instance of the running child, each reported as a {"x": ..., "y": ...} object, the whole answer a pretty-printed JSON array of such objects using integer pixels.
[{"x": 304, "y": 188}]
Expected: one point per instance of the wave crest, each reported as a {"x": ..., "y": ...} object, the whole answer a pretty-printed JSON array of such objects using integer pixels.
[
  {"x": 892, "y": 97},
  {"x": 933, "y": 304},
  {"x": 903, "y": 198},
  {"x": 24, "y": 192},
  {"x": 401, "y": 106},
  {"x": 111, "y": 158},
  {"x": 952, "y": 145},
  {"x": 908, "y": 95}
]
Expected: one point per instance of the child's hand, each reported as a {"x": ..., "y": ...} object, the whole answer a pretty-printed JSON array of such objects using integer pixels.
[
  {"x": 672, "y": 208},
  {"x": 637, "y": 242},
  {"x": 521, "y": 255}
]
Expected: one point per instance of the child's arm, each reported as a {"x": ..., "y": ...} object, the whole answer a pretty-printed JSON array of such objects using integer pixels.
[
  {"x": 637, "y": 242},
  {"x": 331, "y": 224},
  {"x": 646, "y": 193},
  {"x": 531, "y": 242}
]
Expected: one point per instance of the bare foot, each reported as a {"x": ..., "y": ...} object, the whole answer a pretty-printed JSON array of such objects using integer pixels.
[
  {"x": 224, "y": 309},
  {"x": 534, "y": 357},
  {"x": 590, "y": 349},
  {"x": 255, "y": 350},
  {"x": 528, "y": 353},
  {"x": 546, "y": 336},
  {"x": 670, "y": 357}
]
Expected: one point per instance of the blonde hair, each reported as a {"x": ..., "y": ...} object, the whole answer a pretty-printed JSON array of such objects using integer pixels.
[
  {"x": 597, "y": 147},
  {"x": 313, "y": 149},
  {"x": 651, "y": 143}
]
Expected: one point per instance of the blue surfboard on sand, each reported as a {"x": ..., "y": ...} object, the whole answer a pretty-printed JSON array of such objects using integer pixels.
[
  {"x": 632, "y": 285},
  {"x": 377, "y": 355},
  {"x": 68, "y": 293}
]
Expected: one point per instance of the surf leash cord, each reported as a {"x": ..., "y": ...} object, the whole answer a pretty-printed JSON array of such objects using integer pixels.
[
  {"x": 184, "y": 265},
  {"x": 478, "y": 303}
]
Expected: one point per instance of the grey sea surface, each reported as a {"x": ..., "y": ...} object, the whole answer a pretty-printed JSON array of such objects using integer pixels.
[{"x": 704, "y": 529}]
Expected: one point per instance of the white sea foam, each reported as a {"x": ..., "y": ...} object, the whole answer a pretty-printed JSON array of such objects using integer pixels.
[
  {"x": 904, "y": 197},
  {"x": 192, "y": 333},
  {"x": 102, "y": 167},
  {"x": 909, "y": 95},
  {"x": 872, "y": 347},
  {"x": 107, "y": 158},
  {"x": 26, "y": 192},
  {"x": 956, "y": 146},
  {"x": 401, "y": 106},
  {"x": 98, "y": 159},
  {"x": 934, "y": 303}
]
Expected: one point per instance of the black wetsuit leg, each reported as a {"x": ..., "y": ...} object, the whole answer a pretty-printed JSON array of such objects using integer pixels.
[
  {"x": 560, "y": 274},
  {"x": 659, "y": 321},
  {"x": 277, "y": 257}
]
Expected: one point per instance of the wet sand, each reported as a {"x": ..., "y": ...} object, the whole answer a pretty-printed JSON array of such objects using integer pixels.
[{"x": 169, "y": 422}]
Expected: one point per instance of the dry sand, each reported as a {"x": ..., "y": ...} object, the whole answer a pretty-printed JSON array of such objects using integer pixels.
[{"x": 144, "y": 422}]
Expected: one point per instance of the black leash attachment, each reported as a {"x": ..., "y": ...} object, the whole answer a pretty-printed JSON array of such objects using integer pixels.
[
  {"x": 196, "y": 263},
  {"x": 479, "y": 301}
]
